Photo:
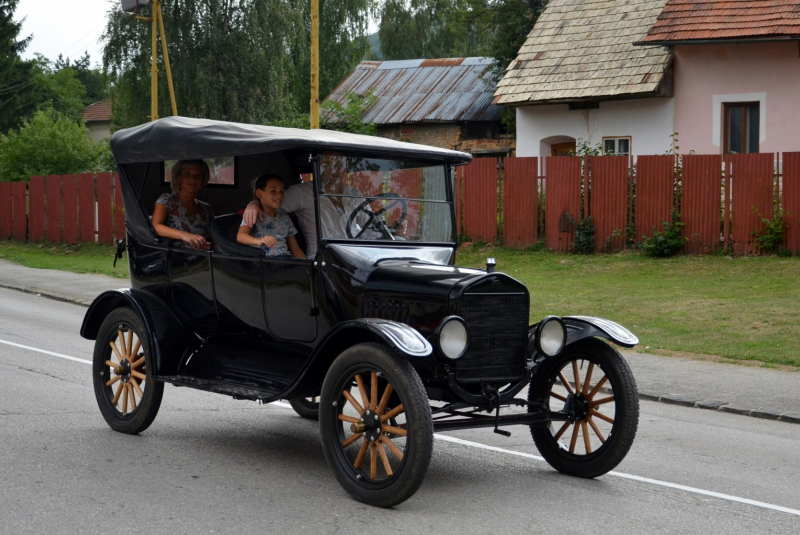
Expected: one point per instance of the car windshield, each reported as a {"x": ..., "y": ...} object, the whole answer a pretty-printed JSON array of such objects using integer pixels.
[{"x": 380, "y": 199}]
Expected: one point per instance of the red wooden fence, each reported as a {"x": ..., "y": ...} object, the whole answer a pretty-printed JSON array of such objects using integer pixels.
[
  {"x": 701, "y": 187},
  {"x": 61, "y": 209},
  {"x": 608, "y": 201},
  {"x": 752, "y": 182},
  {"x": 791, "y": 200},
  {"x": 480, "y": 199},
  {"x": 520, "y": 198},
  {"x": 655, "y": 184},
  {"x": 562, "y": 201}
]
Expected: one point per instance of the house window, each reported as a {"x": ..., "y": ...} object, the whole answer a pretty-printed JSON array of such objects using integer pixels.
[
  {"x": 619, "y": 146},
  {"x": 741, "y": 127}
]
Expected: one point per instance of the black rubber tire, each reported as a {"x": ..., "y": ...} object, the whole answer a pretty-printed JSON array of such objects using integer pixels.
[
  {"x": 625, "y": 405},
  {"x": 305, "y": 408},
  {"x": 142, "y": 416},
  {"x": 417, "y": 446}
]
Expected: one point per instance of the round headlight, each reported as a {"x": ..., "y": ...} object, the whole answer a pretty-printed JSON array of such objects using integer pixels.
[
  {"x": 451, "y": 337},
  {"x": 552, "y": 336}
]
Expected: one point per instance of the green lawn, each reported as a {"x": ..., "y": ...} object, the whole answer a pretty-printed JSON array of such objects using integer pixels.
[
  {"x": 84, "y": 258},
  {"x": 739, "y": 308}
]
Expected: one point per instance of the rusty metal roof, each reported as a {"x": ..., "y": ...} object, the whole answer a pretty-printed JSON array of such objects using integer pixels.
[
  {"x": 583, "y": 50},
  {"x": 690, "y": 20},
  {"x": 424, "y": 90}
]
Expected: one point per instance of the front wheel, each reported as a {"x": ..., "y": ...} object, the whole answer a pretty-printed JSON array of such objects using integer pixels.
[
  {"x": 376, "y": 425},
  {"x": 591, "y": 382},
  {"x": 127, "y": 394}
]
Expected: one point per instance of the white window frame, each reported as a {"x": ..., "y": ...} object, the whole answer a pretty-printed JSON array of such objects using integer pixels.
[{"x": 616, "y": 145}]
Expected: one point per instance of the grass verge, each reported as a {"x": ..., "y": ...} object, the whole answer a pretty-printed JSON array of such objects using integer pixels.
[
  {"x": 738, "y": 308},
  {"x": 82, "y": 258}
]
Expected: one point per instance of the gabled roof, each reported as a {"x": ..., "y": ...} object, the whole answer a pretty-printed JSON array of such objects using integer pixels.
[
  {"x": 583, "y": 50},
  {"x": 99, "y": 111},
  {"x": 690, "y": 20},
  {"x": 424, "y": 90}
]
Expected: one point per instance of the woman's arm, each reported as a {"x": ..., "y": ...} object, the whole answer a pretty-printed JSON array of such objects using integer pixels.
[
  {"x": 294, "y": 247},
  {"x": 160, "y": 214}
]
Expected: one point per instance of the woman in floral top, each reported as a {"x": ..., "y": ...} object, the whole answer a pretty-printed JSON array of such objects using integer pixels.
[{"x": 179, "y": 215}]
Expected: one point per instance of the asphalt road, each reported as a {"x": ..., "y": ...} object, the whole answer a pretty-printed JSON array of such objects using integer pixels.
[{"x": 210, "y": 464}]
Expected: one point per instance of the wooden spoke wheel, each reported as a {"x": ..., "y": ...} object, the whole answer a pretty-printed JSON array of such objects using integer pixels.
[
  {"x": 127, "y": 395},
  {"x": 376, "y": 425},
  {"x": 593, "y": 384},
  {"x": 307, "y": 408}
]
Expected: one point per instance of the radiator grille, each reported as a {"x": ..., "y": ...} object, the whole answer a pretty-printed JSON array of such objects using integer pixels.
[{"x": 497, "y": 326}]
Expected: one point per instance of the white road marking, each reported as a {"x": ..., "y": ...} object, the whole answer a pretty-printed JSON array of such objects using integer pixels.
[
  {"x": 59, "y": 355},
  {"x": 487, "y": 447}
]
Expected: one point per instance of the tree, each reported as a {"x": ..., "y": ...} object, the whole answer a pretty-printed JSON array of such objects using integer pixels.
[
  {"x": 94, "y": 81},
  {"x": 58, "y": 89},
  {"x": 244, "y": 60},
  {"x": 49, "y": 144},
  {"x": 350, "y": 116},
  {"x": 15, "y": 75}
]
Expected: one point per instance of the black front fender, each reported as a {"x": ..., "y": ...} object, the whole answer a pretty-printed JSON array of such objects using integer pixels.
[
  {"x": 168, "y": 337},
  {"x": 580, "y": 327}
]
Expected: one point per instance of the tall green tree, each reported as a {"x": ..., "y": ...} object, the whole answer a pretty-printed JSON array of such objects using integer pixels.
[
  {"x": 236, "y": 60},
  {"x": 16, "y": 75},
  {"x": 94, "y": 81}
]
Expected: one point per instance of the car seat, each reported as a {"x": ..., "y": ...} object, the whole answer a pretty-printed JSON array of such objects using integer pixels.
[{"x": 223, "y": 236}]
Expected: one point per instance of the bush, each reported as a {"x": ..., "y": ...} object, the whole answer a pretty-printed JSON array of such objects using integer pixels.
[
  {"x": 49, "y": 144},
  {"x": 667, "y": 242},
  {"x": 771, "y": 240},
  {"x": 584, "y": 237}
]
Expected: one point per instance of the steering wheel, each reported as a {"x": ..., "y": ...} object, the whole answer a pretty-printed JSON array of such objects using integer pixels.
[{"x": 376, "y": 220}]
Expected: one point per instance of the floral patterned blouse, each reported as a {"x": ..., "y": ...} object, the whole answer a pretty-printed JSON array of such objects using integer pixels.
[{"x": 180, "y": 219}]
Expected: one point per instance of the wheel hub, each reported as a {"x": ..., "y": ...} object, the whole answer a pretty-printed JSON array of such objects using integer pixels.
[
  {"x": 370, "y": 425},
  {"x": 577, "y": 406},
  {"x": 124, "y": 370}
]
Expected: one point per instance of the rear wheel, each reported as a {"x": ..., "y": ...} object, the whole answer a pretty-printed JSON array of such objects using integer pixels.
[
  {"x": 126, "y": 393},
  {"x": 592, "y": 382},
  {"x": 307, "y": 408},
  {"x": 376, "y": 425}
]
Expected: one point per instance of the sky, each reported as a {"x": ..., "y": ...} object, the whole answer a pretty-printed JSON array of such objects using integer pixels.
[{"x": 68, "y": 27}]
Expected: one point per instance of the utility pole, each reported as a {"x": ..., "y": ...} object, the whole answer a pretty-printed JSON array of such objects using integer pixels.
[
  {"x": 157, "y": 20},
  {"x": 314, "y": 114}
]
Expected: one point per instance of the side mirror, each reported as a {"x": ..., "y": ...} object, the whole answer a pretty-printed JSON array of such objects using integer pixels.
[{"x": 134, "y": 6}]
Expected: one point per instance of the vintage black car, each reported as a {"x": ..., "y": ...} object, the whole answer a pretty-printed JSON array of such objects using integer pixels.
[{"x": 380, "y": 335}]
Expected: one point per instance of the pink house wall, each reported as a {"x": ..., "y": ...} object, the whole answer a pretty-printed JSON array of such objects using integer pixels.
[{"x": 708, "y": 75}]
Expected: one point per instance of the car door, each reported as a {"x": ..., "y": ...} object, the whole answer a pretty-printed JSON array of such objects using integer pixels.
[{"x": 289, "y": 303}]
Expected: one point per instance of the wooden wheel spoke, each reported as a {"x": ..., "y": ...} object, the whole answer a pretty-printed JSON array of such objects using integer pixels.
[
  {"x": 392, "y": 413},
  {"x": 353, "y": 402},
  {"x": 137, "y": 363},
  {"x": 561, "y": 431},
  {"x": 385, "y": 459},
  {"x": 565, "y": 383},
  {"x": 361, "y": 453},
  {"x": 384, "y": 399},
  {"x": 111, "y": 364},
  {"x": 136, "y": 348},
  {"x": 373, "y": 461},
  {"x": 113, "y": 380},
  {"x": 116, "y": 351},
  {"x": 138, "y": 375},
  {"x": 597, "y": 387},
  {"x": 349, "y": 419},
  {"x": 130, "y": 343},
  {"x": 124, "y": 398},
  {"x": 117, "y": 393},
  {"x": 394, "y": 430},
  {"x": 392, "y": 447},
  {"x": 601, "y": 401},
  {"x": 577, "y": 375},
  {"x": 558, "y": 396},
  {"x": 575, "y": 433},
  {"x": 602, "y": 416},
  {"x": 373, "y": 400},
  {"x": 586, "y": 442},
  {"x": 363, "y": 391},
  {"x": 133, "y": 398},
  {"x": 352, "y": 439},
  {"x": 596, "y": 430},
  {"x": 588, "y": 379},
  {"x": 136, "y": 387}
]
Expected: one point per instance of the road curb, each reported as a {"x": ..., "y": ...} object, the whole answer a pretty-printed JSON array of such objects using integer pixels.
[
  {"x": 722, "y": 406},
  {"x": 682, "y": 400}
]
